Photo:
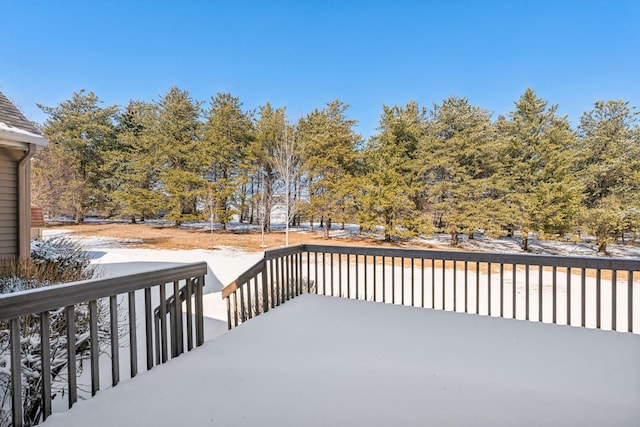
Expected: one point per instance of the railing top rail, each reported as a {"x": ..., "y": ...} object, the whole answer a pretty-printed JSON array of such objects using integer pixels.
[
  {"x": 255, "y": 269},
  {"x": 280, "y": 252},
  {"x": 52, "y": 297},
  {"x": 632, "y": 264}
]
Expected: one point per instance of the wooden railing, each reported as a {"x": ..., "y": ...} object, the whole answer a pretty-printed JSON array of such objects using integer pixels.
[
  {"x": 65, "y": 300},
  {"x": 270, "y": 282},
  {"x": 579, "y": 291}
]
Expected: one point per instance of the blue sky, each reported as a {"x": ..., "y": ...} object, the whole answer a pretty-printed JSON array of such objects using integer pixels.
[{"x": 303, "y": 54}]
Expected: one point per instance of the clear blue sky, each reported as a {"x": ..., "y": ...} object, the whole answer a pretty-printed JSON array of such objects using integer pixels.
[{"x": 303, "y": 54}]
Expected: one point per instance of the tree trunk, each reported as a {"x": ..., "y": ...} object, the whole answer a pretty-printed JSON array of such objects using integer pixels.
[
  {"x": 327, "y": 228},
  {"x": 223, "y": 214},
  {"x": 388, "y": 226},
  {"x": 524, "y": 244},
  {"x": 243, "y": 203},
  {"x": 267, "y": 204},
  {"x": 79, "y": 217},
  {"x": 602, "y": 248},
  {"x": 454, "y": 238}
]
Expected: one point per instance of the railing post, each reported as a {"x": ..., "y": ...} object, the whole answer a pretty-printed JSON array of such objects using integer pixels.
[
  {"x": 16, "y": 372},
  {"x": 45, "y": 358},
  {"x": 115, "y": 349},
  {"x": 95, "y": 351},
  {"x": 163, "y": 323},
  {"x": 265, "y": 286},
  {"x": 199, "y": 312},
  {"x": 189, "y": 314},
  {"x": 228, "y": 312},
  {"x": 133, "y": 337},
  {"x": 177, "y": 313},
  {"x": 300, "y": 266},
  {"x": 70, "y": 315},
  {"x": 149, "y": 322},
  {"x": 630, "y": 301}
]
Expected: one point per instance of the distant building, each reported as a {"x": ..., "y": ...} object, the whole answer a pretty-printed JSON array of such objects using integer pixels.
[{"x": 19, "y": 140}]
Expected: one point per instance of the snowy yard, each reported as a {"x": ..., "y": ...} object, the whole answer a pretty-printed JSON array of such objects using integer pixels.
[{"x": 326, "y": 361}]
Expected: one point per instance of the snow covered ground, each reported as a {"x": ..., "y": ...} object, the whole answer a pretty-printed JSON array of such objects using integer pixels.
[
  {"x": 584, "y": 246},
  {"x": 318, "y": 361},
  {"x": 375, "y": 366},
  {"x": 114, "y": 257}
]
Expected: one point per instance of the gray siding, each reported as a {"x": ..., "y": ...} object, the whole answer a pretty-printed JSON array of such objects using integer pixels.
[{"x": 9, "y": 202}]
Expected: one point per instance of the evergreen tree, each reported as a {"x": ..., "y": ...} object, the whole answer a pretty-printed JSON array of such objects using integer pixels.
[
  {"x": 390, "y": 191},
  {"x": 609, "y": 161},
  {"x": 227, "y": 135},
  {"x": 545, "y": 194},
  {"x": 80, "y": 132},
  {"x": 178, "y": 134},
  {"x": 460, "y": 161},
  {"x": 135, "y": 164},
  {"x": 328, "y": 145}
]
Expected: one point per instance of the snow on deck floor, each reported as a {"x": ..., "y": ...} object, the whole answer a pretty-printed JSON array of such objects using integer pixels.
[{"x": 319, "y": 361}]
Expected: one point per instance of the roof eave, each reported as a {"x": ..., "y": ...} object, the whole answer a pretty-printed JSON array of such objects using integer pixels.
[{"x": 17, "y": 139}]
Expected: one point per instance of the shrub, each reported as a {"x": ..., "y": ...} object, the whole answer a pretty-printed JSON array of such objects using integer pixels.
[{"x": 58, "y": 260}]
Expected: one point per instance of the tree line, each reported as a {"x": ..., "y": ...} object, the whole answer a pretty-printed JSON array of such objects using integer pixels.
[{"x": 448, "y": 168}]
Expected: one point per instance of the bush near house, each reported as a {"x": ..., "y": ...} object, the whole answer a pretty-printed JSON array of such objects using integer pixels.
[{"x": 53, "y": 261}]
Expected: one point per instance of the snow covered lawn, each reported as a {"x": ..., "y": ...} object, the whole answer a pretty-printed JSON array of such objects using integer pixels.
[{"x": 319, "y": 361}]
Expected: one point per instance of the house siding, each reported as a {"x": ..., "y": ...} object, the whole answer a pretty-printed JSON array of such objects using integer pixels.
[{"x": 9, "y": 201}]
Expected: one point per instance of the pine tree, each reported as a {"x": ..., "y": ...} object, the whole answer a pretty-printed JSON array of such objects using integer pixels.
[
  {"x": 460, "y": 163},
  {"x": 227, "y": 135},
  {"x": 80, "y": 132},
  {"x": 178, "y": 133},
  {"x": 135, "y": 164},
  {"x": 545, "y": 194},
  {"x": 390, "y": 192},
  {"x": 328, "y": 145},
  {"x": 609, "y": 161}
]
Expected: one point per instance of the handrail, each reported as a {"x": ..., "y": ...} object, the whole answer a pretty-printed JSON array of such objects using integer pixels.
[
  {"x": 58, "y": 303},
  {"x": 252, "y": 271},
  {"x": 494, "y": 257},
  {"x": 51, "y": 297},
  {"x": 283, "y": 252}
]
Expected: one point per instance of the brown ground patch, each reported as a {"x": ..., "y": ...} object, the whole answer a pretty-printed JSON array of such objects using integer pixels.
[{"x": 170, "y": 237}]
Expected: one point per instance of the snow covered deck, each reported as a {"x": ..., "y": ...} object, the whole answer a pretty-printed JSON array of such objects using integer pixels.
[{"x": 318, "y": 361}]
